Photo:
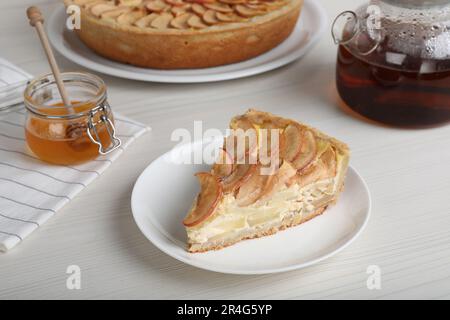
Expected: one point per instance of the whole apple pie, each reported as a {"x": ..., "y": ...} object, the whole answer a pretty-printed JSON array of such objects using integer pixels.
[
  {"x": 175, "y": 34},
  {"x": 289, "y": 174}
]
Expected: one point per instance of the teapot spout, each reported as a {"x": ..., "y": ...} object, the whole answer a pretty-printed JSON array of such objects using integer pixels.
[{"x": 345, "y": 27}]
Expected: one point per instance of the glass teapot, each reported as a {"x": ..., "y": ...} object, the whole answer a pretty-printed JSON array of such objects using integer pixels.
[{"x": 394, "y": 61}]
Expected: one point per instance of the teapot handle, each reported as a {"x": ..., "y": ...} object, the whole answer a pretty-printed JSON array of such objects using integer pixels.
[
  {"x": 363, "y": 33},
  {"x": 345, "y": 27}
]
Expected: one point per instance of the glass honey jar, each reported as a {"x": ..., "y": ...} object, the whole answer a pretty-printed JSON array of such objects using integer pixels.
[{"x": 74, "y": 134}]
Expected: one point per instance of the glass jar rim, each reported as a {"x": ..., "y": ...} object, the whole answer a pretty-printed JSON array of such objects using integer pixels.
[{"x": 48, "y": 79}]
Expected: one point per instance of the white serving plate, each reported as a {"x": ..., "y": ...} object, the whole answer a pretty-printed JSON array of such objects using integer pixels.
[{"x": 165, "y": 190}]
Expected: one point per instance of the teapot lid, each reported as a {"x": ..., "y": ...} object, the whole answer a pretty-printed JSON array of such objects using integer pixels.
[{"x": 412, "y": 28}]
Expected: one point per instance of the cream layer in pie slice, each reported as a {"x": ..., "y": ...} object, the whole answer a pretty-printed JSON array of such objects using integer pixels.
[{"x": 282, "y": 175}]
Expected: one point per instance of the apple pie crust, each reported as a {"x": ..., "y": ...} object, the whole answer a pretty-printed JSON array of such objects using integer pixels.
[
  {"x": 175, "y": 34},
  {"x": 237, "y": 202}
]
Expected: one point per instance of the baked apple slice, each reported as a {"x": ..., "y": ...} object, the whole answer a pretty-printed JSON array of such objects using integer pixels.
[
  {"x": 270, "y": 141},
  {"x": 224, "y": 165},
  {"x": 244, "y": 136},
  {"x": 261, "y": 187},
  {"x": 176, "y": 3},
  {"x": 329, "y": 159},
  {"x": 308, "y": 150},
  {"x": 99, "y": 9},
  {"x": 291, "y": 142},
  {"x": 240, "y": 175},
  {"x": 324, "y": 168},
  {"x": 252, "y": 189},
  {"x": 130, "y": 3},
  {"x": 282, "y": 177},
  {"x": 207, "y": 201},
  {"x": 200, "y": 1},
  {"x": 312, "y": 174}
]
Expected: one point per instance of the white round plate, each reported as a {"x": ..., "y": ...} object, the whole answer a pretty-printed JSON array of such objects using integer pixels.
[
  {"x": 311, "y": 25},
  {"x": 164, "y": 193}
]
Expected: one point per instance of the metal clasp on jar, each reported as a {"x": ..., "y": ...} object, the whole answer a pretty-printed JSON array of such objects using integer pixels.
[{"x": 104, "y": 120}]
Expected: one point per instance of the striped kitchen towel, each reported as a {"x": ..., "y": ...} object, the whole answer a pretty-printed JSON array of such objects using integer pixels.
[{"x": 32, "y": 191}]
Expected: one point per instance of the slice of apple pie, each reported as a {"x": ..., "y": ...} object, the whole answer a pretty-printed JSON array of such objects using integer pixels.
[{"x": 271, "y": 174}]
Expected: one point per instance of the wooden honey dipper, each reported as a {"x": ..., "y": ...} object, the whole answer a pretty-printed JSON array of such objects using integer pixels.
[
  {"x": 73, "y": 130},
  {"x": 80, "y": 138},
  {"x": 37, "y": 20}
]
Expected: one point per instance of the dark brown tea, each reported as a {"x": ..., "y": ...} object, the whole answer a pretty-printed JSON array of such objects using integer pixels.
[{"x": 394, "y": 97}]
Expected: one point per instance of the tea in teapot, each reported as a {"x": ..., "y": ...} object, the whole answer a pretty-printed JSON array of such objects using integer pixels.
[{"x": 393, "y": 61}]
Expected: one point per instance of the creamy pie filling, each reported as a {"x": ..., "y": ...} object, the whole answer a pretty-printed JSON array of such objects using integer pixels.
[{"x": 229, "y": 217}]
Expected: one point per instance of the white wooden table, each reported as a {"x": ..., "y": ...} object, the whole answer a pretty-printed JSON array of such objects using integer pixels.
[{"x": 408, "y": 173}]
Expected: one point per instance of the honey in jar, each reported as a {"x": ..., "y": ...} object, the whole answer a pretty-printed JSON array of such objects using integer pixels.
[{"x": 72, "y": 134}]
